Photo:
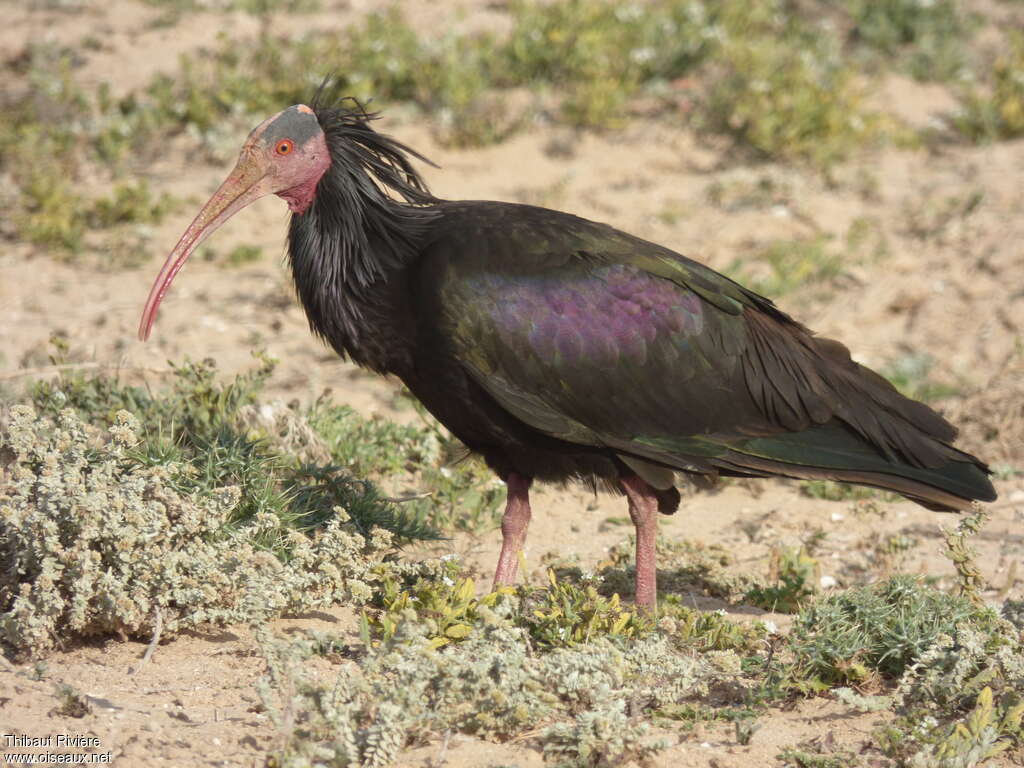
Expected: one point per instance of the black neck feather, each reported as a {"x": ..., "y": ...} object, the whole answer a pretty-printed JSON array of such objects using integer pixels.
[{"x": 369, "y": 218}]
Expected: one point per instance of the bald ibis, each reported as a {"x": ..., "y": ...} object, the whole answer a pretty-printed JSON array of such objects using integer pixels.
[{"x": 562, "y": 349}]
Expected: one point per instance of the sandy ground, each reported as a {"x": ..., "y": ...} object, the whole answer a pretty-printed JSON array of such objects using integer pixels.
[{"x": 949, "y": 284}]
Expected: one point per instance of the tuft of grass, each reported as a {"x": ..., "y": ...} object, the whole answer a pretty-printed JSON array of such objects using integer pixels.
[
  {"x": 875, "y": 633},
  {"x": 70, "y": 703},
  {"x": 927, "y": 39},
  {"x": 130, "y": 203},
  {"x": 780, "y": 87},
  {"x": 911, "y": 375},
  {"x": 198, "y": 424},
  {"x": 995, "y": 110},
  {"x": 255, "y": 7},
  {"x": 53, "y": 129},
  {"x": 830, "y": 490},
  {"x": 793, "y": 573},
  {"x": 458, "y": 492},
  {"x": 787, "y": 265},
  {"x": 600, "y": 53}
]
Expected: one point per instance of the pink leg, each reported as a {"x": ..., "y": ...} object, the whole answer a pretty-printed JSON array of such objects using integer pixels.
[
  {"x": 513, "y": 528},
  {"x": 643, "y": 510}
]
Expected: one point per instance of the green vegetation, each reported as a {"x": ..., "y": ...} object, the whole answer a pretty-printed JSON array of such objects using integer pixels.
[
  {"x": 781, "y": 82},
  {"x": 804, "y": 758},
  {"x": 587, "y": 58},
  {"x": 52, "y": 130},
  {"x": 995, "y": 110},
  {"x": 927, "y": 39},
  {"x": 854, "y": 637},
  {"x": 793, "y": 576},
  {"x": 439, "y": 658},
  {"x": 194, "y": 471},
  {"x": 464, "y": 494},
  {"x": 97, "y": 545},
  {"x": 71, "y": 703},
  {"x": 129, "y": 513},
  {"x": 830, "y": 490},
  {"x": 786, "y": 265},
  {"x": 911, "y": 375},
  {"x": 780, "y": 88},
  {"x": 255, "y": 7},
  {"x": 243, "y": 254}
]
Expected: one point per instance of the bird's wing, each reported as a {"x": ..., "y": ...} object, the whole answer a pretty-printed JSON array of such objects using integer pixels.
[{"x": 594, "y": 336}]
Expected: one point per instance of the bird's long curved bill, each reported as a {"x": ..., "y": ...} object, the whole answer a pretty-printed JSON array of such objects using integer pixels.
[{"x": 242, "y": 187}]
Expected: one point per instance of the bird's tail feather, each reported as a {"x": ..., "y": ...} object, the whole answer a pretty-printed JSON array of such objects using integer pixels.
[{"x": 831, "y": 451}]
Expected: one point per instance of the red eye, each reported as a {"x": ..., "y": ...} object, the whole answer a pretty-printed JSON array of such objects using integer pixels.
[{"x": 284, "y": 146}]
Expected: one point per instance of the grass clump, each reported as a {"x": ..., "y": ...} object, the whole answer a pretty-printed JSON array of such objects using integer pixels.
[
  {"x": 786, "y": 265},
  {"x": 868, "y": 634},
  {"x": 254, "y": 7},
  {"x": 457, "y": 491},
  {"x": 911, "y": 374},
  {"x": 995, "y": 111},
  {"x": 779, "y": 86},
  {"x": 928, "y": 39},
  {"x": 205, "y": 427},
  {"x": 600, "y": 53},
  {"x": 830, "y": 490},
  {"x": 792, "y": 577},
  {"x": 130, "y": 203},
  {"x": 239, "y": 256}
]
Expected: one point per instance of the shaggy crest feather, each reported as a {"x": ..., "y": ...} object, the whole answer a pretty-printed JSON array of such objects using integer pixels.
[{"x": 368, "y": 218}]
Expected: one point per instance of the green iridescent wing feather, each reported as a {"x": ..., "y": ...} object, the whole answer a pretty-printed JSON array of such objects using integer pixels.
[{"x": 596, "y": 337}]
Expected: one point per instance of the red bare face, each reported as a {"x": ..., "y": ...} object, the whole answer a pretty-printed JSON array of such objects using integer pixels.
[{"x": 285, "y": 155}]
